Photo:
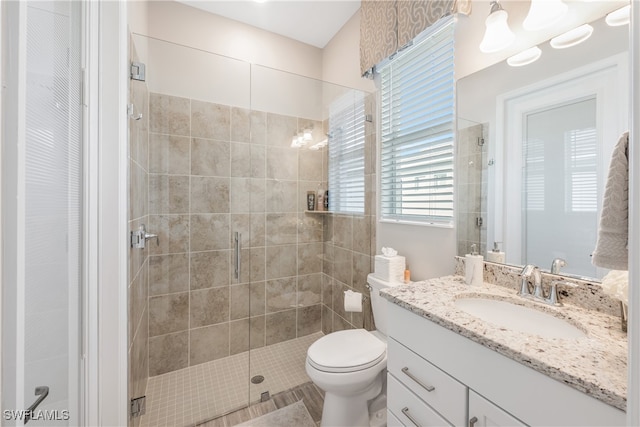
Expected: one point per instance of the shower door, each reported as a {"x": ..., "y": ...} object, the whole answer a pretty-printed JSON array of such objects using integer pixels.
[{"x": 192, "y": 156}]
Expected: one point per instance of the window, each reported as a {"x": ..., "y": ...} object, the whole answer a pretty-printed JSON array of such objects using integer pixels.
[
  {"x": 417, "y": 130},
  {"x": 346, "y": 154}
]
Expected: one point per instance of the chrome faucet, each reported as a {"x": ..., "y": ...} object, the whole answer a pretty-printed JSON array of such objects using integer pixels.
[
  {"x": 557, "y": 264},
  {"x": 526, "y": 273}
]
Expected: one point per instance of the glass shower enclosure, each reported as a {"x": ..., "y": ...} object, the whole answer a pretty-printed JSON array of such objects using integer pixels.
[{"x": 226, "y": 300}]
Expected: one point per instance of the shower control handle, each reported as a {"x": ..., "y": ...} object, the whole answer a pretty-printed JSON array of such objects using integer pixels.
[{"x": 236, "y": 241}]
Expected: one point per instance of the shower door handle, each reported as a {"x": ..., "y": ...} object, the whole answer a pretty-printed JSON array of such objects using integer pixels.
[
  {"x": 236, "y": 241},
  {"x": 41, "y": 391}
]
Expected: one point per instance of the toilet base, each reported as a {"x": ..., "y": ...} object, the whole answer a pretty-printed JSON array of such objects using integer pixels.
[{"x": 353, "y": 410}]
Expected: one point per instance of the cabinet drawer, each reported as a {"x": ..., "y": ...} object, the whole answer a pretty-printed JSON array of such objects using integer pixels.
[
  {"x": 439, "y": 390},
  {"x": 408, "y": 409}
]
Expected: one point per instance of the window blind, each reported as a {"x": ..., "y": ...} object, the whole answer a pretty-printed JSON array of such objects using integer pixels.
[
  {"x": 346, "y": 154},
  {"x": 417, "y": 130},
  {"x": 581, "y": 147}
]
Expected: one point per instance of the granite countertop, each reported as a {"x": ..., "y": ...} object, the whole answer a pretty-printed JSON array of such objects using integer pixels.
[{"x": 595, "y": 364}]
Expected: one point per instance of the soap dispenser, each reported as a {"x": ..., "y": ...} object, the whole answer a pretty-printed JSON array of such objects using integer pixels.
[
  {"x": 496, "y": 255},
  {"x": 474, "y": 267}
]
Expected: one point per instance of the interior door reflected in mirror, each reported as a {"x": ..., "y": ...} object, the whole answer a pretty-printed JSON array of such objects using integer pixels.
[{"x": 548, "y": 130}]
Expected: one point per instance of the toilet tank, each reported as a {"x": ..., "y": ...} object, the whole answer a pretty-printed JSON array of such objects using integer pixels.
[{"x": 378, "y": 303}]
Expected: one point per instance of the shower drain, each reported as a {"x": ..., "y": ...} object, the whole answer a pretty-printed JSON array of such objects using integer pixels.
[{"x": 257, "y": 379}]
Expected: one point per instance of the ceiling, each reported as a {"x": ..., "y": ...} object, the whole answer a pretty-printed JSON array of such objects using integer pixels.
[{"x": 313, "y": 22}]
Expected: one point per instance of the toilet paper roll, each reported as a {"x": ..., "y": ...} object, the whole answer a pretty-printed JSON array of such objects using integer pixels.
[
  {"x": 352, "y": 301},
  {"x": 474, "y": 266}
]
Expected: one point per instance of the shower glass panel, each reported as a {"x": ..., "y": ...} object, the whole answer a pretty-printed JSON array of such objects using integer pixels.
[
  {"x": 213, "y": 157},
  {"x": 195, "y": 157}
]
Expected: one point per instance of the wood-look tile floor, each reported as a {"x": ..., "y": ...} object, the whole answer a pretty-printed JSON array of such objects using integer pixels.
[{"x": 312, "y": 397}]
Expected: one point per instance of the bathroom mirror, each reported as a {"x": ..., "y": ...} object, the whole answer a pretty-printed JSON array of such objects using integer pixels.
[{"x": 533, "y": 150}]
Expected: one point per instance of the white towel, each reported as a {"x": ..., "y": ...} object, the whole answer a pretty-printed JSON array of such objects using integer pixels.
[{"x": 613, "y": 233}]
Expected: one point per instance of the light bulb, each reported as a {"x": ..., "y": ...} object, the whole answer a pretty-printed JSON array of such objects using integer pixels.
[
  {"x": 525, "y": 57},
  {"x": 497, "y": 35},
  {"x": 544, "y": 13},
  {"x": 619, "y": 17},
  {"x": 572, "y": 37}
]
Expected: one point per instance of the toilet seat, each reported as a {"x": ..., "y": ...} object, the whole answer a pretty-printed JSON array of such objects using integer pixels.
[{"x": 346, "y": 351}]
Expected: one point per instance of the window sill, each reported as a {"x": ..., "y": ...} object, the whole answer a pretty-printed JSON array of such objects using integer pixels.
[{"x": 418, "y": 223}]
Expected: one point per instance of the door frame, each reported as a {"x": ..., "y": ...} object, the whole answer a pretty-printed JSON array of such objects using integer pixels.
[{"x": 106, "y": 300}]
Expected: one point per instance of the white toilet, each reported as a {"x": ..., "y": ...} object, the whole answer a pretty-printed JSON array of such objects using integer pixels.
[{"x": 350, "y": 366}]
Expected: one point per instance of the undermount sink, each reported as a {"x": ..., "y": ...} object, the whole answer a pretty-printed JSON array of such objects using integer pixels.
[{"x": 518, "y": 318}]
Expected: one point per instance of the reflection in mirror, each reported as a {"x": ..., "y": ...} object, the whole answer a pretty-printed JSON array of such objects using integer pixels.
[{"x": 549, "y": 129}]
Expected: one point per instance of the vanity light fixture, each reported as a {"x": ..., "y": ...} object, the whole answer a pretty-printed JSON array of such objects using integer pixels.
[
  {"x": 544, "y": 13},
  {"x": 572, "y": 37},
  {"x": 497, "y": 35},
  {"x": 525, "y": 57},
  {"x": 619, "y": 17}
]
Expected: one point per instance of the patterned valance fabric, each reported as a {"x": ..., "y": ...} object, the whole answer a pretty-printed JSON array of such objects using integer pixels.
[{"x": 387, "y": 25}]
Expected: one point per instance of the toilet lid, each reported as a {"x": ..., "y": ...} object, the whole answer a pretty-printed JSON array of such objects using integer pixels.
[{"x": 346, "y": 351}]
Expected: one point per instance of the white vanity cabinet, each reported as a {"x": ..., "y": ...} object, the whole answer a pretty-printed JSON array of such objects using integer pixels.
[
  {"x": 460, "y": 380},
  {"x": 483, "y": 413}
]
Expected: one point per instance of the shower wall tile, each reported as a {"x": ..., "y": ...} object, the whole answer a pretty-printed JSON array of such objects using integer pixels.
[
  {"x": 282, "y": 196},
  {"x": 209, "y": 195},
  {"x": 309, "y": 320},
  {"x": 210, "y": 157},
  {"x": 240, "y": 195},
  {"x": 281, "y": 228},
  {"x": 209, "y": 232},
  {"x": 210, "y": 269},
  {"x": 241, "y": 159},
  {"x": 209, "y": 306},
  {"x": 138, "y": 295},
  {"x": 169, "y": 154},
  {"x": 208, "y": 343},
  {"x": 343, "y": 231},
  {"x": 169, "y": 114},
  {"x": 310, "y": 258},
  {"x": 257, "y": 298},
  {"x": 280, "y": 326},
  {"x": 281, "y": 294},
  {"x": 310, "y": 165},
  {"x": 168, "y": 313},
  {"x": 211, "y": 121},
  {"x": 172, "y": 231},
  {"x": 362, "y": 227},
  {"x": 282, "y": 163},
  {"x": 241, "y": 124},
  {"x": 168, "y": 274},
  {"x": 168, "y": 353},
  {"x": 258, "y": 157},
  {"x": 168, "y": 194},
  {"x": 217, "y": 170},
  {"x": 310, "y": 228},
  {"x": 238, "y": 297},
  {"x": 258, "y": 127},
  {"x": 280, "y": 129},
  {"x": 281, "y": 261},
  {"x": 258, "y": 264},
  {"x": 309, "y": 290}
]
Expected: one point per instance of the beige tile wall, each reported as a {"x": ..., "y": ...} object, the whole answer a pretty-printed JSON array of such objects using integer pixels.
[
  {"x": 214, "y": 170},
  {"x": 138, "y": 259}
]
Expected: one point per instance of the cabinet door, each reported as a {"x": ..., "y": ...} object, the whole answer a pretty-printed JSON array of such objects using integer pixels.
[{"x": 483, "y": 413}]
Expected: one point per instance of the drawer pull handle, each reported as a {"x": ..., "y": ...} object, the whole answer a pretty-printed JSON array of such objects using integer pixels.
[
  {"x": 473, "y": 421},
  {"x": 429, "y": 388},
  {"x": 405, "y": 411}
]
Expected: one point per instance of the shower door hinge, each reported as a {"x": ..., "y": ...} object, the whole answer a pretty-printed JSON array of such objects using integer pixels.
[
  {"x": 138, "y": 406},
  {"x": 479, "y": 221},
  {"x": 480, "y": 141},
  {"x": 138, "y": 71}
]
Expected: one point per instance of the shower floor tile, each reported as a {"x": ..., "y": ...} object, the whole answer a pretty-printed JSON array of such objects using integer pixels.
[{"x": 202, "y": 392}]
